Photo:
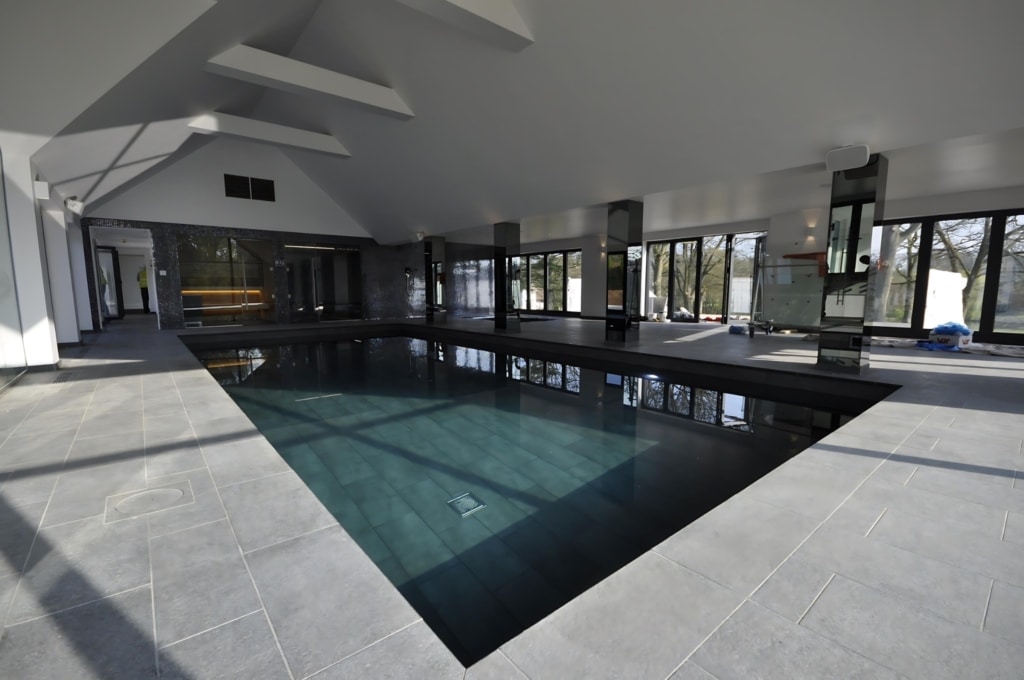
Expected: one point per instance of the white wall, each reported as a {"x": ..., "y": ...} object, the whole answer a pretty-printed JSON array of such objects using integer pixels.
[
  {"x": 29, "y": 260},
  {"x": 12, "y": 349},
  {"x": 1010, "y": 198},
  {"x": 191, "y": 191},
  {"x": 58, "y": 265}
]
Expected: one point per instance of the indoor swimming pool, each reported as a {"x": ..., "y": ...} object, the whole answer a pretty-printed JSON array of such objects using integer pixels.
[{"x": 492, "y": 488}]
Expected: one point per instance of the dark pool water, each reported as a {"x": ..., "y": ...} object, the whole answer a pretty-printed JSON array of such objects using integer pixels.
[{"x": 490, "y": 488}]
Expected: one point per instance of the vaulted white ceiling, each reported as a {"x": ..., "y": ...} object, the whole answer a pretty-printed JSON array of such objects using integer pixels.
[{"x": 713, "y": 111}]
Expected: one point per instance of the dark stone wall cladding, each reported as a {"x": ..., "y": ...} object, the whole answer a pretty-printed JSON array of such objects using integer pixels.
[
  {"x": 165, "y": 258},
  {"x": 387, "y": 292}
]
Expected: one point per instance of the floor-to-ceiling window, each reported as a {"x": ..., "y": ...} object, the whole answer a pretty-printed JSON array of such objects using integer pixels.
[
  {"x": 1009, "y": 306},
  {"x": 705, "y": 278},
  {"x": 964, "y": 268},
  {"x": 550, "y": 282},
  {"x": 895, "y": 251}
]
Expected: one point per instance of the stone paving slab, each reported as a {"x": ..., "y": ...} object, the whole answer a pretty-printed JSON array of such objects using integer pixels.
[{"x": 892, "y": 547}]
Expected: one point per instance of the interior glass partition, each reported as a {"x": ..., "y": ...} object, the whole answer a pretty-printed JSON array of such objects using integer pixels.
[
  {"x": 1009, "y": 306},
  {"x": 225, "y": 281},
  {"x": 324, "y": 282}
]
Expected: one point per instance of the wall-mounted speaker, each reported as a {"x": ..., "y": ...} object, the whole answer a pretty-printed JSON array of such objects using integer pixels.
[{"x": 847, "y": 157}]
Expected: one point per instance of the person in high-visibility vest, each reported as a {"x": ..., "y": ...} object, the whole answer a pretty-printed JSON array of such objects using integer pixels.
[{"x": 143, "y": 278}]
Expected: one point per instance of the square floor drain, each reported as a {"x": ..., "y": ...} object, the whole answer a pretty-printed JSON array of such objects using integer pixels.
[{"x": 466, "y": 504}]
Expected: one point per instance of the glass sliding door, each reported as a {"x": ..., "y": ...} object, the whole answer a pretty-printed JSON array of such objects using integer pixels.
[
  {"x": 225, "y": 281},
  {"x": 1009, "y": 308},
  {"x": 555, "y": 300},
  {"x": 712, "y": 277},
  {"x": 741, "y": 276},
  {"x": 659, "y": 262},
  {"x": 574, "y": 281},
  {"x": 895, "y": 251},
  {"x": 685, "y": 268},
  {"x": 537, "y": 271},
  {"x": 956, "y": 280}
]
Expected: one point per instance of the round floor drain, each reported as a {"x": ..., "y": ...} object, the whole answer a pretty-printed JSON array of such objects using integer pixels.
[{"x": 149, "y": 501}]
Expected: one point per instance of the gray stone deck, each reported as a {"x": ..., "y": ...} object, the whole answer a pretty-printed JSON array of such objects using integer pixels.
[{"x": 892, "y": 548}]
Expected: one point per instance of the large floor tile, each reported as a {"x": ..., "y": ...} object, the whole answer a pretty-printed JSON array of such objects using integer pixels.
[
  {"x": 1005, "y": 615},
  {"x": 907, "y": 639},
  {"x": 954, "y": 593},
  {"x": 414, "y": 652},
  {"x": 199, "y": 581},
  {"x": 83, "y": 492},
  {"x": 754, "y": 642},
  {"x": 206, "y": 506},
  {"x": 111, "y": 638},
  {"x": 75, "y": 563},
  {"x": 238, "y": 650},
  {"x": 660, "y": 612},
  {"x": 273, "y": 509},
  {"x": 325, "y": 598},
  {"x": 764, "y": 534},
  {"x": 18, "y": 527}
]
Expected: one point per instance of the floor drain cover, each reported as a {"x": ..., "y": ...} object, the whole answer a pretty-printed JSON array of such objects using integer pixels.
[
  {"x": 137, "y": 503},
  {"x": 466, "y": 504},
  {"x": 62, "y": 377}
]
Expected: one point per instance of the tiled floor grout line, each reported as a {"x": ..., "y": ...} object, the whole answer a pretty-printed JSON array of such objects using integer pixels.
[
  {"x": 292, "y": 538},
  {"x": 245, "y": 562},
  {"x": 207, "y": 630},
  {"x": 363, "y": 649},
  {"x": 815, "y": 600},
  {"x": 188, "y": 528},
  {"x": 875, "y": 523},
  {"x": 152, "y": 598},
  {"x": 1006, "y": 518},
  {"x": 509, "y": 659},
  {"x": 988, "y": 603},
  {"x": 79, "y": 605}
]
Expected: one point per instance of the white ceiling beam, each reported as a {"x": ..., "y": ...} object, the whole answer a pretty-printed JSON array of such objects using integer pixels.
[
  {"x": 247, "y": 128},
  {"x": 496, "y": 21},
  {"x": 255, "y": 66}
]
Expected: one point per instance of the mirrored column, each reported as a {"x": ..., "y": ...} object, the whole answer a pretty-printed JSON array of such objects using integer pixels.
[
  {"x": 858, "y": 198},
  {"x": 433, "y": 266},
  {"x": 625, "y": 250},
  {"x": 506, "y": 276}
]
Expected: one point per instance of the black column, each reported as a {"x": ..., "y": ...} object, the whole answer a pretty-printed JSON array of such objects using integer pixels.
[
  {"x": 433, "y": 268},
  {"x": 506, "y": 245},
  {"x": 858, "y": 201},
  {"x": 625, "y": 250}
]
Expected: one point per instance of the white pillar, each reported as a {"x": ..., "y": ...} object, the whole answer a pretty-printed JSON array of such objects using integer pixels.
[
  {"x": 29, "y": 258},
  {"x": 58, "y": 263},
  {"x": 12, "y": 348}
]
